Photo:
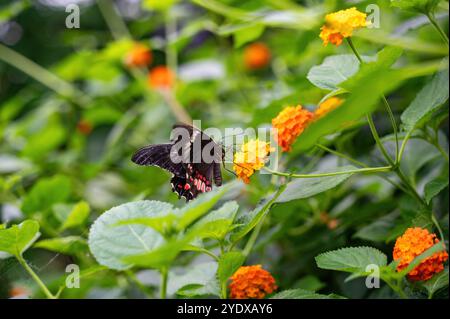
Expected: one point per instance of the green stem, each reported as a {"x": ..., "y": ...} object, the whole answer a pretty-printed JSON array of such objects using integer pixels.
[
  {"x": 164, "y": 277},
  {"x": 393, "y": 123},
  {"x": 359, "y": 164},
  {"x": 253, "y": 237},
  {"x": 210, "y": 254},
  {"x": 171, "y": 51},
  {"x": 403, "y": 146},
  {"x": 223, "y": 290},
  {"x": 369, "y": 117},
  {"x": 377, "y": 139},
  {"x": 437, "y": 27},
  {"x": 339, "y": 154},
  {"x": 43, "y": 76},
  {"x": 353, "y": 171},
  {"x": 438, "y": 227},
  {"x": 36, "y": 278},
  {"x": 352, "y": 46},
  {"x": 115, "y": 23}
]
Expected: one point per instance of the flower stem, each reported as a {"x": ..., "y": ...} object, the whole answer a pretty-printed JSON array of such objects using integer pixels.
[
  {"x": 252, "y": 240},
  {"x": 352, "y": 46},
  {"x": 43, "y": 76},
  {"x": 164, "y": 277},
  {"x": 389, "y": 111},
  {"x": 377, "y": 139},
  {"x": 403, "y": 146},
  {"x": 393, "y": 123},
  {"x": 339, "y": 154},
  {"x": 360, "y": 170},
  {"x": 171, "y": 51},
  {"x": 36, "y": 278},
  {"x": 223, "y": 290},
  {"x": 437, "y": 27}
]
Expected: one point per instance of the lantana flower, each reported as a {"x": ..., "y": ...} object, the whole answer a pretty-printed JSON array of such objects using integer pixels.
[
  {"x": 289, "y": 124},
  {"x": 161, "y": 77},
  {"x": 413, "y": 243},
  {"x": 139, "y": 56},
  {"x": 327, "y": 106},
  {"x": 251, "y": 282},
  {"x": 250, "y": 158},
  {"x": 256, "y": 56},
  {"x": 84, "y": 127},
  {"x": 341, "y": 24}
]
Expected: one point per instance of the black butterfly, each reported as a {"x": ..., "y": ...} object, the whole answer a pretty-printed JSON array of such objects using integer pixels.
[{"x": 191, "y": 173}]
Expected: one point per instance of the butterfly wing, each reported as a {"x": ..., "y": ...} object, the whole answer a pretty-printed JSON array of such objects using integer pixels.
[
  {"x": 158, "y": 155},
  {"x": 192, "y": 175}
]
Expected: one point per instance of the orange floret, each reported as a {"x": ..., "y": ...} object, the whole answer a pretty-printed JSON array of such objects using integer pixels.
[
  {"x": 289, "y": 124},
  {"x": 413, "y": 243},
  {"x": 251, "y": 282},
  {"x": 256, "y": 56}
]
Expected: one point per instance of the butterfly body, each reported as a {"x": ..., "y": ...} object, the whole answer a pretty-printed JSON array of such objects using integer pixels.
[{"x": 186, "y": 157}]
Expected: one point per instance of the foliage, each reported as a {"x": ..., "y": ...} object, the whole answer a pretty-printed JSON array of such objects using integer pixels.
[{"x": 73, "y": 109}]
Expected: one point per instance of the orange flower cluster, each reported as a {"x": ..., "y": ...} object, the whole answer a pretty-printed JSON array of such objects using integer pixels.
[
  {"x": 256, "y": 56},
  {"x": 413, "y": 243},
  {"x": 251, "y": 282},
  {"x": 328, "y": 106},
  {"x": 161, "y": 77},
  {"x": 290, "y": 123},
  {"x": 341, "y": 24},
  {"x": 139, "y": 56},
  {"x": 84, "y": 127}
]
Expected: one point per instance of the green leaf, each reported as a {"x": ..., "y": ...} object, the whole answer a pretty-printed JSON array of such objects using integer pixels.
[
  {"x": 247, "y": 221},
  {"x": 303, "y": 294},
  {"x": 379, "y": 230},
  {"x": 77, "y": 216},
  {"x": 18, "y": 238},
  {"x": 417, "y": 154},
  {"x": 334, "y": 70},
  {"x": 422, "y": 6},
  {"x": 65, "y": 245},
  {"x": 164, "y": 254},
  {"x": 201, "y": 205},
  {"x": 434, "y": 187},
  {"x": 158, "y": 4},
  {"x": 437, "y": 282},
  {"x": 179, "y": 219},
  {"x": 428, "y": 100},
  {"x": 310, "y": 282},
  {"x": 301, "y": 188},
  {"x": 366, "y": 87},
  {"x": 353, "y": 259},
  {"x": 217, "y": 223},
  {"x": 45, "y": 193},
  {"x": 247, "y": 34},
  {"x": 199, "y": 280},
  {"x": 161, "y": 256},
  {"x": 110, "y": 244},
  {"x": 228, "y": 264}
]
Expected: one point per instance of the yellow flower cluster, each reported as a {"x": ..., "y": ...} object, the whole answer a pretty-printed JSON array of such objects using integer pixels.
[
  {"x": 251, "y": 158},
  {"x": 341, "y": 24}
]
